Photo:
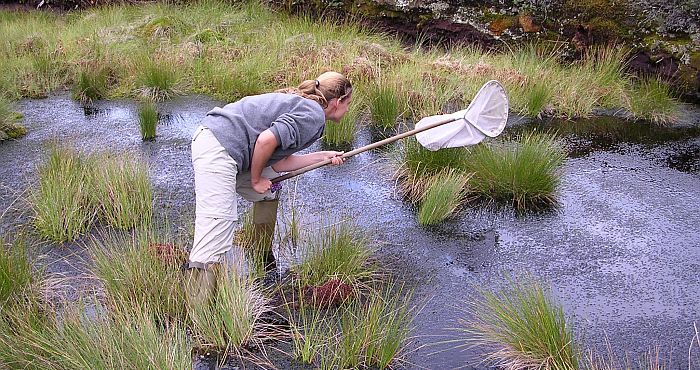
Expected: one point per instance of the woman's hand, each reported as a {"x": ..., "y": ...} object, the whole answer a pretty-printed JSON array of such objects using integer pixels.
[
  {"x": 335, "y": 157},
  {"x": 262, "y": 185}
]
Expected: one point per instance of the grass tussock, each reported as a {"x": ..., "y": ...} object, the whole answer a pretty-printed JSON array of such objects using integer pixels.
[
  {"x": 384, "y": 106},
  {"x": 232, "y": 50},
  {"x": 343, "y": 132},
  {"x": 61, "y": 201},
  {"x": 523, "y": 171},
  {"x": 75, "y": 189},
  {"x": 233, "y": 318},
  {"x": 158, "y": 80},
  {"x": 122, "y": 191},
  {"x": 416, "y": 164},
  {"x": 339, "y": 251},
  {"x": 148, "y": 120},
  {"x": 521, "y": 327},
  {"x": 653, "y": 101},
  {"x": 141, "y": 272},
  {"x": 92, "y": 83},
  {"x": 445, "y": 192},
  {"x": 370, "y": 331},
  {"x": 9, "y": 128},
  {"x": 78, "y": 340},
  {"x": 17, "y": 280}
]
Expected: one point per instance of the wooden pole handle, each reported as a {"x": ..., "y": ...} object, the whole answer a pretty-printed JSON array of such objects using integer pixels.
[{"x": 365, "y": 148}]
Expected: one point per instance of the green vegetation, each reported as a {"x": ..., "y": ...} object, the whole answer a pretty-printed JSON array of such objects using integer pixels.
[
  {"x": 159, "y": 80},
  {"x": 148, "y": 120},
  {"x": 9, "y": 128},
  {"x": 121, "y": 191},
  {"x": 16, "y": 279},
  {"x": 340, "y": 251},
  {"x": 369, "y": 331},
  {"x": 384, "y": 105},
  {"x": 523, "y": 171},
  {"x": 75, "y": 189},
  {"x": 61, "y": 201},
  {"x": 79, "y": 341},
  {"x": 231, "y": 50},
  {"x": 92, "y": 83},
  {"x": 445, "y": 192},
  {"x": 343, "y": 132},
  {"x": 141, "y": 272},
  {"x": 521, "y": 328},
  {"x": 651, "y": 100},
  {"x": 233, "y": 318}
]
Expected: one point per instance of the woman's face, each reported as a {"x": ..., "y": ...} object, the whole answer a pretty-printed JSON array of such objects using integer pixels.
[{"x": 340, "y": 108}]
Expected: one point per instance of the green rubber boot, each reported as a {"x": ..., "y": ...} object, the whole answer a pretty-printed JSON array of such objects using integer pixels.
[
  {"x": 264, "y": 220},
  {"x": 200, "y": 285}
]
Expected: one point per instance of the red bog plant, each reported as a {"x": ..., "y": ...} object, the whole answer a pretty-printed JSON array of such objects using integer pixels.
[
  {"x": 168, "y": 253},
  {"x": 331, "y": 294}
]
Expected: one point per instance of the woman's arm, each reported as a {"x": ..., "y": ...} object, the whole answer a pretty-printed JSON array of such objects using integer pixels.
[
  {"x": 295, "y": 162},
  {"x": 264, "y": 147}
]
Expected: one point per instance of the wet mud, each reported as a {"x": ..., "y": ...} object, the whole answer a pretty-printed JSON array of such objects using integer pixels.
[{"x": 621, "y": 253}]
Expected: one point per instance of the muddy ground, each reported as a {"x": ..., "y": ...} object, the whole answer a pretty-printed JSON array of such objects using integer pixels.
[{"x": 621, "y": 253}]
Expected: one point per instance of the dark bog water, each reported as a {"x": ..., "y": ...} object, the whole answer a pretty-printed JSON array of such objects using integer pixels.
[{"x": 621, "y": 254}]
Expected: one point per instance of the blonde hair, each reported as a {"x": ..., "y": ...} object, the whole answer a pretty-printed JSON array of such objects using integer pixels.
[{"x": 327, "y": 86}]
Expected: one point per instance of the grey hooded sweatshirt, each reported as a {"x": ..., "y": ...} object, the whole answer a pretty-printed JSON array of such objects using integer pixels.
[{"x": 296, "y": 123}]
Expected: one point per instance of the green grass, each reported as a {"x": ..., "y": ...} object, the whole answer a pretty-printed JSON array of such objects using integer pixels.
[
  {"x": 524, "y": 171},
  {"x": 92, "y": 82},
  {"x": 233, "y": 318},
  {"x": 521, "y": 327},
  {"x": 121, "y": 190},
  {"x": 538, "y": 96},
  {"x": 137, "y": 276},
  {"x": 384, "y": 106},
  {"x": 61, "y": 201},
  {"x": 158, "y": 80},
  {"x": 255, "y": 49},
  {"x": 340, "y": 251},
  {"x": 148, "y": 120},
  {"x": 75, "y": 189},
  {"x": 310, "y": 330},
  {"x": 8, "y": 120},
  {"x": 78, "y": 340},
  {"x": 17, "y": 280},
  {"x": 415, "y": 164},
  {"x": 373, "y": 332},
  {"x": 343, "y": 132},
  {"x": 653, "y": 101},
  {"x": 445, "y": 192}
]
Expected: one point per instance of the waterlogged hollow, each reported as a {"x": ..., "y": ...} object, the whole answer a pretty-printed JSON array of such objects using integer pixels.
[{"x": 621, "y": 254}]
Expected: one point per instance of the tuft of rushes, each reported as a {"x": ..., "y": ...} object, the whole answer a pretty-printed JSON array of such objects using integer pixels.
[
  {"x": 138, "y": 277},
  {"x": 417, "y": 164},
  {"x": 445, "y": 192},
  {"x": 16, "y": 278},
  {"x": 310, "y": 328},
  {"x": 158, "y": 81},
  {"x": 343, "y": 132},
  {"x": 91, "y": 83},
  {"x": 8, "y": 121},
  {"x": 521, "y": 328},
  {"x": 653, "y": 101},
  {"x": 340, "y": 251},
  {"x": 148, "y": 120},
  {"x": 537, "y": 98},
  {"x": 79, "y": 340},
  {"x": 121, "y": 190},
  {"x": 374, "y": 332},
  {"x": 523, "y": 172},
  {"x": 384, "y": 106},
  {"x": 233, "y": 318},
  {"x": 61, "y": 203}
]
